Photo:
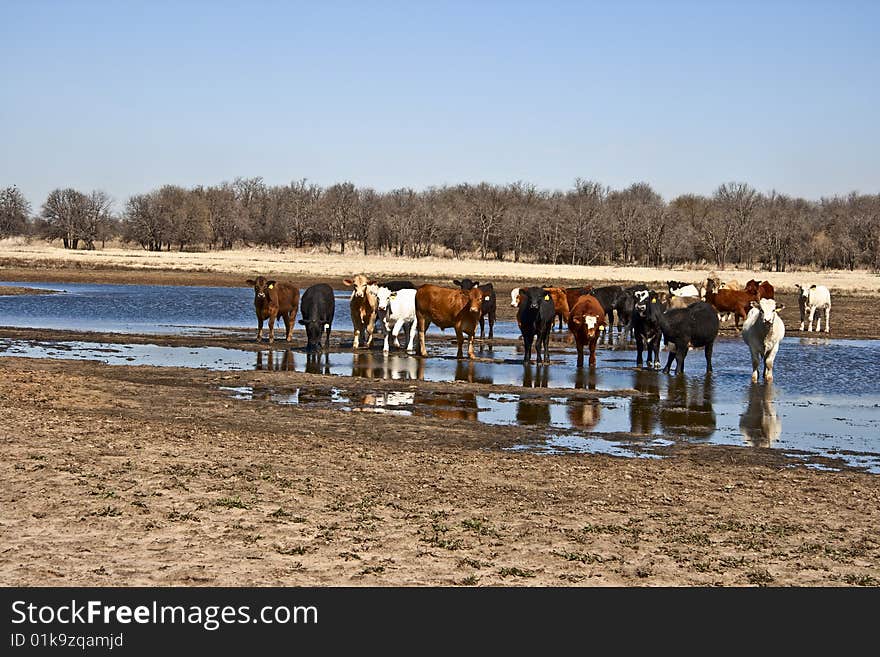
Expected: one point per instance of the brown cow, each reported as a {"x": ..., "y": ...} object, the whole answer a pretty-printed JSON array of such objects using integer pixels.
[
  {"x": 272, "y": 299},
  {"x": 449, "y": 307},
  {"x": 364, "y": 306},
  {"x": 572, "y": 294},
  {"x": 737, "y": 302},
  {"x": 765, "y": 290},
  {"x": 560, "y": 303},
  {"x": 585, "y": 322}
]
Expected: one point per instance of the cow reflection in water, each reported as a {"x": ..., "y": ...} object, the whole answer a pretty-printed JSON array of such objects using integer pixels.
[
  {"x": 470, "y": 372},
  {"x": 277, "y": 361},
  {"x": 644, "y": 408},
  {"x": 318, "y": 362},
  {"x": 687, "y": 408},
  {"x": 585, "y": 378},
  {"x": 759, "y": 424},
  {"x": 393, "y": 402},
  {"x": 388, "y": 366},
  {"x": 532, "y": 412},
  {"x": 462, "y": 406},
  {"x": 536, "y": 376},
  {"x": 584, "y": 413}
]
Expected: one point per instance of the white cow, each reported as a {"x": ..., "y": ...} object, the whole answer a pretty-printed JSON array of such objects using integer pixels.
[
  {"x": 763, "y": 330},
  {"x": 400, "y": 308},
  {"x": 811, "y": 299},
  {"x": 686, "y": 291}
]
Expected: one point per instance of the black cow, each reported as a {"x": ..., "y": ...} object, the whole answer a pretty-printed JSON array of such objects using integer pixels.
[
  {"x": 536, "y": 317},
  {"x": 489, "y": 306},
  {"x": 394, "y": 286},
  {"x": 625, "y": 307},
  {"x": 694, "y": 326},
  {"x": 646, "y": 327},
  {"x": 316, "y": 308},
  {"x": 609, "y": 296}
]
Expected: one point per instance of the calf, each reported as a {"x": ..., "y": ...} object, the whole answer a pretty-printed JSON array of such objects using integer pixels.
[
  {"x": 694, "y": 326},
  {"x": 363, "y": 307},
  {"x": 272, "y": 299},
  {"x": 449, "y": 307},
  {"x": 317, "y": 309},
  {"x": 730, "y": 301},
  {"x": 646, "y": 327},
  {"x": 489, "y": 303},
  {"x": 763, "y": 330},
  {"x": 585, "y": 321},
  {"x": 680, "y": 289},
  {"x": 536, "y": 317},
  {"x": 399, "y": 308},
  {"x": 811, "y": 299}
]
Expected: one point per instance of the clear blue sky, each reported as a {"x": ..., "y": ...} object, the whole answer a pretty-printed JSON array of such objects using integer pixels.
[{"x": 127, "y": 96}]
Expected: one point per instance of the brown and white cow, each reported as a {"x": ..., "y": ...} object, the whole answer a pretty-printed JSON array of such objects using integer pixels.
[
  {"x": 364, "y": 306},
  {"x": 737, "y": 302},
  {"x": 585, "y": 321},
  {"x": 449, "y": 307},
  {"x": 271, "y": 300}
]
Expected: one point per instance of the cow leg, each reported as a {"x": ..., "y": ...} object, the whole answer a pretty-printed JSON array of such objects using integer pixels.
[
  {"x": 527, "y": 347},
  {"x": 423, "y": 326},
  {"x": 412, "y": 336},
  {"x": 327, "y": 341},
  {"x": 371, "y": 326},
  {"x": 259, "y": 328},
  {"x": 827, "y": 319},
  {"x": 547, "y": 346},
  {"x": 669, "y": 362},
  {"x": 756, "y": 361},
  {"x": 398, "y": 325},
  {"x": 769, "y": 359},
  {"x": 592, "y": 353},
  {"x": 810, "y": 324},
  {"x": 272, "y": 318},
  {"x": 356, "y": 333},
  {"x": 288, "y": 327},
  {"x": 708, "y": 349},
  {"x": 471, "y": 344},
  {"x": 680, "y": 353},
  {"x": 491, "y": 324},
  {"x": 580, "y": 348},
  {"x": 482, "y": 326},
  {"x": 639, "y": 347}
]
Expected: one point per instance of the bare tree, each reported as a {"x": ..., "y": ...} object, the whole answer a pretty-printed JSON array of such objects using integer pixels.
[
  {"x": 338, "y": 202},
  {"x": 14, "y": 212},
  {"x": 66, "y": 214}
]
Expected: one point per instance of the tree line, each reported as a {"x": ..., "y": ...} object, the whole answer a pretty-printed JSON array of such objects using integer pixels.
[{"x": 589, "y": 224}]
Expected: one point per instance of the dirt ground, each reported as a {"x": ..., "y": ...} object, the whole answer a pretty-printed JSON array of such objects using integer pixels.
[{"x": 117, "y": 475}]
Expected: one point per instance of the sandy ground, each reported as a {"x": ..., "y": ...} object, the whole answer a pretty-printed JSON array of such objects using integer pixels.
[
  {"x": 142, "y": 476},
  {"x": 154, "y": 476},
  {"x": 18, "y": 257}
]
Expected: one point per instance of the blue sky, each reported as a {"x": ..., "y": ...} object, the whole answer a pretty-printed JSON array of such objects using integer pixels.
[{"x": 128, "y": 96}]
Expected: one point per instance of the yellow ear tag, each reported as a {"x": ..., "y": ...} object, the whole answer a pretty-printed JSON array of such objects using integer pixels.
[
  {"x": 546, "y": 297},
  {"x": 653, "y": 300},
  {"x": 271, "y": 286}
]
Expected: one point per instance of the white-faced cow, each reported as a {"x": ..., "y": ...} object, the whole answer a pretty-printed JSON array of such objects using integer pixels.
[
  {"x": 763, "y": 330},
  {"x": 398, "y": 308},
  {"x": 810, "y": 299},
  {"x": 363, "y": 307}
]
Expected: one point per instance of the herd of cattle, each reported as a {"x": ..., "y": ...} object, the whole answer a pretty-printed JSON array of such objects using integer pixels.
[{"x": 686, "y": 315}]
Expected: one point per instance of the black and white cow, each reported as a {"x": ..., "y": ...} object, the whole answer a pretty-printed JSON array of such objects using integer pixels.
[
  {"x": 646, "y": 326},
  {"x": 536, "y": 317}
]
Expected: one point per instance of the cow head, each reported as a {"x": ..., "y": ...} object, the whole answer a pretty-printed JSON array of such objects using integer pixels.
[
  {"x": 314, "y": 329},
  {"x": 643, "y": 301},
  {"x": 466, "y": 284},
  {"x": 474, "y": 300},
  {"x": 768, "y": 309},
  {"x": 359, "y": 283},
  {"x": 383, "y": 296},
  {"x": 752, "y": 287},
  {"x": 261, "y": 287},
  {"x": 514, "y": 297},
  {"x": 588, "y": 323}
]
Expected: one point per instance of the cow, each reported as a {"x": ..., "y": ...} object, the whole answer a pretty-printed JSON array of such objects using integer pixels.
[
  {"x": 572, "y": 294},
  {"x": 625, "y": 306},
  {"x": 363, "y": 306},
  {"x": 394, "y": 286},
  {"x": 718, "y": 284},
  {"x": 560, "y": 303},
  {"x": 536, "y": 318},
  {"x": 609, "y": 296},
  {"x": 317, "y": 309},
  {"x": 399, "y": 308},
  {"x": 680, "y": 289},
  {"x": 646, "y": 326},
  {"x": 730, "y": 301},
  {"x": 585, "y": 321},
  {"x": 766, "y": 291},
  {"x": 272, "y": 299},
  {"x": 671, "y": 301},
  {"x": 763, "y": 330},
  {"x": 489, "y": 307},
  {"x": 449, "y": 307},
  {"x": 694, "y": 326},
  {"x": 811, "y": 299}
]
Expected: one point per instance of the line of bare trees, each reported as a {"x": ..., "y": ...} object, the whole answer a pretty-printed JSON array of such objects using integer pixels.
[{"x": 587, "y": 224}]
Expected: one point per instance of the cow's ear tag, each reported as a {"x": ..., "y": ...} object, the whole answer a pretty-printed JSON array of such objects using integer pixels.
[
  {"x": 271, "y": 286},
  {"x": 653, "y": 300},
  {"x": 546, "y": 297}
]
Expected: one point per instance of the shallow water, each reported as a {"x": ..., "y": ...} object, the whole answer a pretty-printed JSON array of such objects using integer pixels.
[{"x": 825, "y": 399}]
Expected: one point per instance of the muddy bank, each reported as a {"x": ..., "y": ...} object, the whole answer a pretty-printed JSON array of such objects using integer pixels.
[
  {"x": 127, "y": 476},
  {"x": 12, "y": 291}
]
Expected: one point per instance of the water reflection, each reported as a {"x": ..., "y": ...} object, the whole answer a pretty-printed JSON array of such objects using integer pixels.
[
  {"x": 318, "y": 362},
  {"x": 644, "y": 409},
  {"x": 585, "y": 378},
  {"x": 687, "y": 408},
  {"x": 535, "y": 376},
  {"x": 584, "y": 413},
  {"x": 462, "y": 407},
  {"x": 470, "y": 371},
  {"x": 759, "y": 424},
  {"x": 531, "y": 412},
  {"x": 272, "y": 360}
]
